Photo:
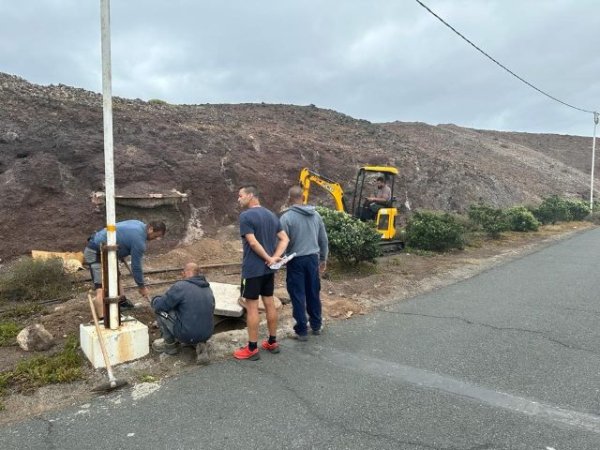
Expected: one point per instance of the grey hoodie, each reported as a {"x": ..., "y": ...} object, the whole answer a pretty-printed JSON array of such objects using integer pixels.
[{"x": 306, "y": 231}]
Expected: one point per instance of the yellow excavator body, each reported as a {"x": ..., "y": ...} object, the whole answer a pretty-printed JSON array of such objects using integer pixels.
[{"x": 385, "y": 220}]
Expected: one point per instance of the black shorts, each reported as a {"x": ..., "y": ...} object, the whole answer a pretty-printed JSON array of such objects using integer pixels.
[{"x": 253, "y": 287}]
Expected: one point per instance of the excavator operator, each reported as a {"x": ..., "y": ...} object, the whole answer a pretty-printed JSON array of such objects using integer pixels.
[{"x": 380, "y": 199}]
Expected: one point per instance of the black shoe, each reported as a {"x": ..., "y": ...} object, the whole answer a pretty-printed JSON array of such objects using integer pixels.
[
  {"x": 316, "y": 332},
  {"x": 162, "y": 346},
  {"x": 126, "y": 304}
]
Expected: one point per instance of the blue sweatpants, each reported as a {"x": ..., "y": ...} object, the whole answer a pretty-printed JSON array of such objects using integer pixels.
[{"x": 304, "y": 285}]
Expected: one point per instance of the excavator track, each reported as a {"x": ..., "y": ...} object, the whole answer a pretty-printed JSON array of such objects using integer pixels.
[{"x": 391, "y": 246}]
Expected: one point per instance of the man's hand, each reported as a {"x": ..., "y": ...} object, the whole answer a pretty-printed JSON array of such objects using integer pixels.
[
  {"x": 322, "y": 267},
  {"x": 145, "y": 293},
  {"x": 273, "y": 260}
]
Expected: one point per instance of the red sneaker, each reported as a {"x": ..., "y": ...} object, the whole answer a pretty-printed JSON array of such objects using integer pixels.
[
  {"x": 246, "y": 353},
  {"x": 273, "y": 348}
]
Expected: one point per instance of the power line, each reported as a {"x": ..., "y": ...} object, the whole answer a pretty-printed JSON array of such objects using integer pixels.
[{"x": 500, "y": 64}]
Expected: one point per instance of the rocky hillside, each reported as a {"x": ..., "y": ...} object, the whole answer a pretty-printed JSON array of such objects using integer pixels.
[{"x": 51, "y": 161}]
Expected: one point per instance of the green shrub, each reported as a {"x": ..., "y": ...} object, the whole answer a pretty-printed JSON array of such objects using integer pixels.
[
  {"x": 8, "y": 332},
  {"x": 21, "y": 311},
  {"x": 34, "y": 280},
  {"x": 552, "y": 209},
  {"x": 519, "y": 218},
  {"x": 157, "y": 101},
  {"x": 62, "y": 367},
  {"x": 491, "y": 220},
  {"x": 350, "y": 240},
  {"x": 594, "y": 216},
  {"x": 434, "y": 231},
  {"x": 147, "y": 378},
  {"x": 578, "y": 209},
  {"x": 466, "y": 223}
]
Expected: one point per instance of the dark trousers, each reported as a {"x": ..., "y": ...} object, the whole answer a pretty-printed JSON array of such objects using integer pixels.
[{"x": 304, "y": 285}]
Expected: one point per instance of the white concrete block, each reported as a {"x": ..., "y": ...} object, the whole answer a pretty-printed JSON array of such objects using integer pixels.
[
  {"x": 228, "y": 302},
  {"x": 129, "y": 342},
  {"x": 226, "y": 299}
]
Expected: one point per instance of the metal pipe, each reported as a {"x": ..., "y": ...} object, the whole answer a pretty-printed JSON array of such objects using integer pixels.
[
  {"x": 206, "y": 266},
  {"x": 593, "y": 163},
  {"x": 109, "y": 183}
]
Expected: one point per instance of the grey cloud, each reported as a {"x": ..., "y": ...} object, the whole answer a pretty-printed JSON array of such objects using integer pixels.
[{"x": 381, "y": 60}]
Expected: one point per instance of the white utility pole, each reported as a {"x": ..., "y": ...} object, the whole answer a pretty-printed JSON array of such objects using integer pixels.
[
  {"x": 593, "y": 163},
  {"x": 109, "y": 168}
]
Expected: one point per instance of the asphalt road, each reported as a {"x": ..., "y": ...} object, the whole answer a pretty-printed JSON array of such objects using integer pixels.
[{"x": 509, "y": 359}]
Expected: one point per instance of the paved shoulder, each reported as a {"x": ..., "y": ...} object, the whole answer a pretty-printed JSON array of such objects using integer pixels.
[{"x": 508, "y": 359}]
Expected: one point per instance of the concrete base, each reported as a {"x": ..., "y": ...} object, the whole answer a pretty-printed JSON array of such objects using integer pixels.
[{"x": 129, "y": 342}]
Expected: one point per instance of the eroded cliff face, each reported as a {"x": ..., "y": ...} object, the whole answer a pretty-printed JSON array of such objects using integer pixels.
[{"x": 52, "y": 161}]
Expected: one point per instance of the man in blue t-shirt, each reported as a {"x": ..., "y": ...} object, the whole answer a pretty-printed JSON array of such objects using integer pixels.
[{"x": 264, "y": 242}]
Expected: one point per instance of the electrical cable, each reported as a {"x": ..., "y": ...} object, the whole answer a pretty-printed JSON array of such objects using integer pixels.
[{"x": 500, "y": 64}]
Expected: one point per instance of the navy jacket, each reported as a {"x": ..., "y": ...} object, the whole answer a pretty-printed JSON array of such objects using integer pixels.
[
  {"x": 131, "y": 239},
  {"x": 194, "y": 302}
]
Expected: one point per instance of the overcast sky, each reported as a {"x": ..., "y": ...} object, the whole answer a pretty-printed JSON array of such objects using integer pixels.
[{"x": 380, "y": 60}]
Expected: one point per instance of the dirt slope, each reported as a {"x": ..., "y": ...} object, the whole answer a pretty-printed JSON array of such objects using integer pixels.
[{"x": 51, "y": 161}]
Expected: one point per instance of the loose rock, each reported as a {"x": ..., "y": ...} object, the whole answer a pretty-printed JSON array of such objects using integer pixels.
[
  {"x": 8, "y": 137},
  {"x": 35, "y": 338}
]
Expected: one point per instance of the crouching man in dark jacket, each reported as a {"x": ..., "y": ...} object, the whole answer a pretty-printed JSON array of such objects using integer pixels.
[{"x": 185, "y": 312}]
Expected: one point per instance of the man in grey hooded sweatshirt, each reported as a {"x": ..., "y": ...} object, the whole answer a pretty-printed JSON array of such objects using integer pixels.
[{"x": 308, "y": 239}]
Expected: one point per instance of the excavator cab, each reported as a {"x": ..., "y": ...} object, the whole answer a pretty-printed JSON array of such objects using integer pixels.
[{"x": 383, "y": 213}]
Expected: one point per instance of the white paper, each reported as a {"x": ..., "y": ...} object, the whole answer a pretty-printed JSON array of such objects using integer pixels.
[{"x": 284, "y": 260}]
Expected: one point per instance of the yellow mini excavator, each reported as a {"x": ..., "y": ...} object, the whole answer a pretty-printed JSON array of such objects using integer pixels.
[{"x": 385, "y": 219}]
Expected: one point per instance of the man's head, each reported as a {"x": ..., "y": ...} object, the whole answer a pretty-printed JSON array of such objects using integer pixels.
[
  {"x": 380, "y": 182},
  {"x": 295, "y": 195},
  {"x": 191, "y": 270},
  {"x": 155, "y": 230},
  {"x": 248, "y": 196}
]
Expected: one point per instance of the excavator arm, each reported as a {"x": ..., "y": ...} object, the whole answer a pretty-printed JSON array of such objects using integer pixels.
[{"x": 307, "y": 177}]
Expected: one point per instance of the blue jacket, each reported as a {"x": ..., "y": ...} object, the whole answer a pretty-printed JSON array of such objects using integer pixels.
[
  {"x": 193, "y": 301},
  {"x": 131, "y": 239}
]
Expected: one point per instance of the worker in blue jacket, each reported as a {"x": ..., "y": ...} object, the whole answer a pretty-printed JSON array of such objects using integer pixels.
[
  {"x": 185, "y": 312},
  {"x": 131, "y": 241}
]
